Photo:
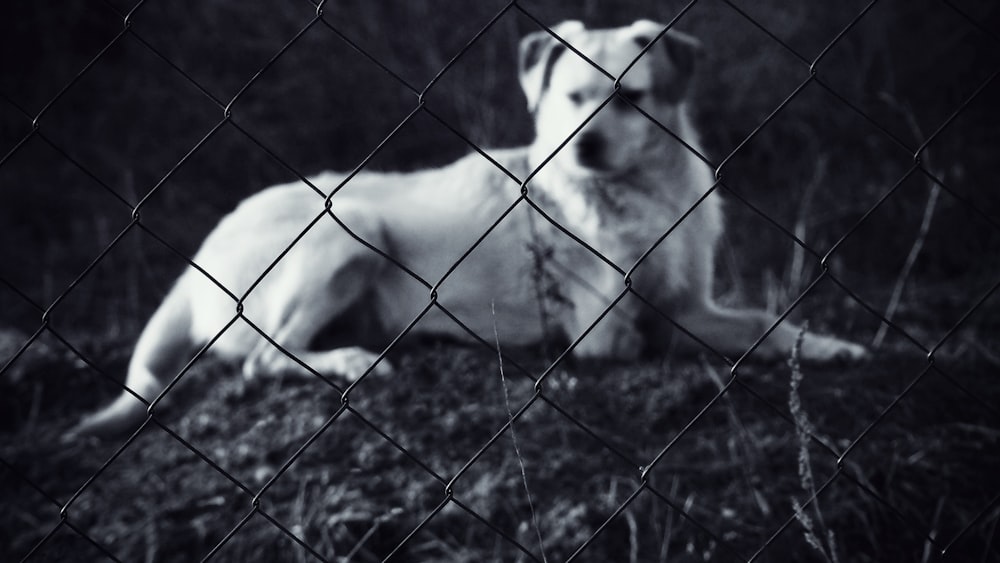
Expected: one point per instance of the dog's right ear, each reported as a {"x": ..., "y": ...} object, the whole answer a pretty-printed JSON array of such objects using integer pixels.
[
  {"x": 538, "y": 52},
  {"x": 681, "y": 50}
]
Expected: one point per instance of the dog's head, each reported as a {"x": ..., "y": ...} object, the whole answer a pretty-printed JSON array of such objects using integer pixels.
[{"x": 564, "y": 91}]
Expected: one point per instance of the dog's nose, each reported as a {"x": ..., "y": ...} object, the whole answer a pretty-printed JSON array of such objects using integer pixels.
[{"x": 590, "y": 149}]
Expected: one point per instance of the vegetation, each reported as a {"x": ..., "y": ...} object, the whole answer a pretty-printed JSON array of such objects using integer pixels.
[{"x": 890, "y": 460}]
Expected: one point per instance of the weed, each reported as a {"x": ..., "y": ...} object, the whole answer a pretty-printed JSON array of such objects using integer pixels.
[{"x": 817, "y": 534}]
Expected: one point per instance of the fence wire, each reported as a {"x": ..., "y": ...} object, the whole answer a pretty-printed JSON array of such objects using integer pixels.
[{"x": 545, "y": 391}]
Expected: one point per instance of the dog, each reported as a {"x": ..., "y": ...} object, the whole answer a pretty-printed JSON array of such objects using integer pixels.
[{"x": 583, "y": 210}]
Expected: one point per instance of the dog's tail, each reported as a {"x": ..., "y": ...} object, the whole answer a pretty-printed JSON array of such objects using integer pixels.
[{"x": 161, "y": 351}]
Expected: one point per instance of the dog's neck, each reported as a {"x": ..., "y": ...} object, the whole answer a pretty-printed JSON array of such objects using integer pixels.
[{"x": 593, "y": 201}]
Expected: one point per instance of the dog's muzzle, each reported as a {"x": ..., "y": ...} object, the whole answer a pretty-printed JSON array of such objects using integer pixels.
[{"x": 591, "y": 150}]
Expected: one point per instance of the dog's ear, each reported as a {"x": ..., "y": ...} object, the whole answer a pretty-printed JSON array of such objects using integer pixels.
[
  {"x": 682, "y": 52},
  {"x": 538, "y": 53}
]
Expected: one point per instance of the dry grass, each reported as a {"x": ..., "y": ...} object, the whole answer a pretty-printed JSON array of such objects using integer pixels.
[{"x": 754, "y": 475}]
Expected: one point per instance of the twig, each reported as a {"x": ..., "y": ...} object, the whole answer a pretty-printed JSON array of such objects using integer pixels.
[
  {"x": 925, "y": 224},
  {"x": 633, "y": 537},
  {"x": 370, "y": 532},
  {"x": 988, "y": 548},
  {"x": 545, "y": 287},
  {"x": 798, "y": 251},
  {"x": 513, "y": 435},
  {"x": 935, "y": 521},
  {"x": 668, "y": 528}
]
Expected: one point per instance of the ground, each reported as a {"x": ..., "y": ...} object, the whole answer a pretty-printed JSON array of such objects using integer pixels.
[{"x": 244, "y": 467}]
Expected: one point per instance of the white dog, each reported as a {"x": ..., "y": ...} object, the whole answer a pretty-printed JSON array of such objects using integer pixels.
[{"x": 618, "y": 184}]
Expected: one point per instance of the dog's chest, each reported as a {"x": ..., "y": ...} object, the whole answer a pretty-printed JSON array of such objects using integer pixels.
[
  {"x": 617, "y": 221},
  {"x": 583, "y": 244}
]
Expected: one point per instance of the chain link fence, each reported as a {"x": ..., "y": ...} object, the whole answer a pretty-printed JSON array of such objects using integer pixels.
[{"x": 480, "y": 453}]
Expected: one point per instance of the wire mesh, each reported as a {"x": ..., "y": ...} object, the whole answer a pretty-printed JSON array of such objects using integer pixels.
[{"x": 649, "y": 489}]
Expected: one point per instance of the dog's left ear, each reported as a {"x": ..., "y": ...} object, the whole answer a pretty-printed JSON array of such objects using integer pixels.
[
  {"x": 537, "y": 55},
  {"x": 681, "y": 51}
]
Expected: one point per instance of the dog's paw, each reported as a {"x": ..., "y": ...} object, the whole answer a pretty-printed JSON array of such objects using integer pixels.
[
  {"x": 826, "y": 349},
  {"x": 262, "y": 367},
  {"x": 120, "y": 418},
  {"x": 610, "y": 341},
  {"x": 352, "y": 363}
]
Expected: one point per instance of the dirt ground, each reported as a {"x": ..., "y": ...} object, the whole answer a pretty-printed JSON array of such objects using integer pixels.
[{"x": 892, "y": 459}]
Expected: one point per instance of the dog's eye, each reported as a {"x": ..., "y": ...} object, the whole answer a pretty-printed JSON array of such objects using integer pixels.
[
  {"x": 576, "y": 98},
  {"x": 624, "y": 96},
  {"x": 634, "y": 95}
]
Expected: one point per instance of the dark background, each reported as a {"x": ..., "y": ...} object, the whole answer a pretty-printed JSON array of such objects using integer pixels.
[{"x": 131, "y": 117}]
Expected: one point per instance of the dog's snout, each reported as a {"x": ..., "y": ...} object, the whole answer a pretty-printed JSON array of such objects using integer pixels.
[{"x": 590, "y": 149}]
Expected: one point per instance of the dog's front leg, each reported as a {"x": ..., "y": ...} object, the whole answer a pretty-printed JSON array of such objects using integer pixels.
[
  {"x": 733, "y": 331},
  {"x": 614, "y": 336}
]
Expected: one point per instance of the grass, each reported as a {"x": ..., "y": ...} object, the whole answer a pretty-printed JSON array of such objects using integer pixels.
[
  {"x": 817, "y": 534},
  {"x": 756, "y": 474}
]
